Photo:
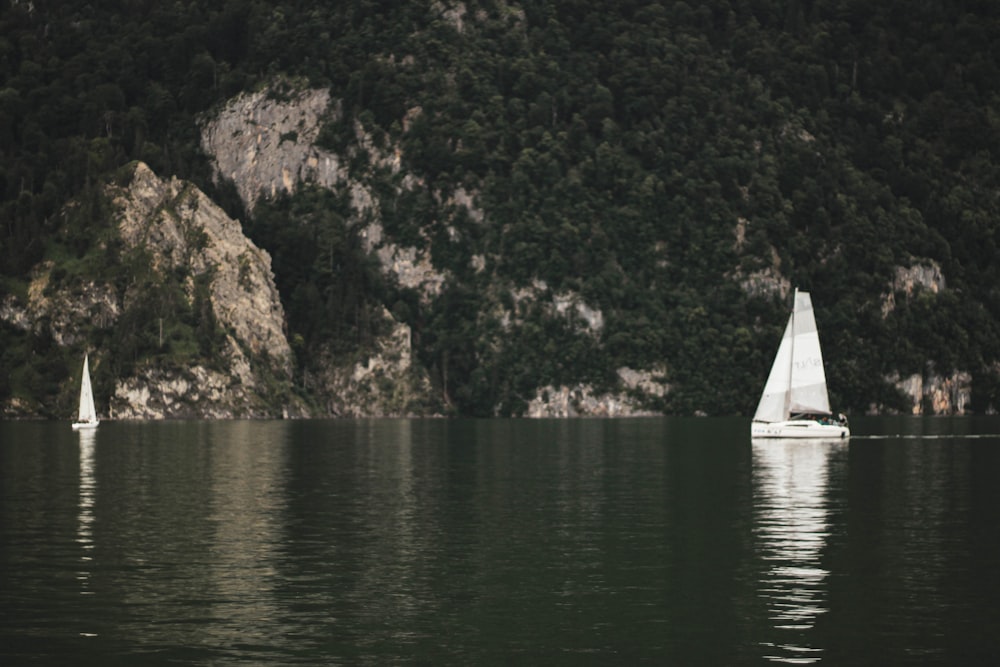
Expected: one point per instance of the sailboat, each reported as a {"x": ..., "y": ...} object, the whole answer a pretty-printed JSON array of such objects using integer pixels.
[
  {"x": 87, "y": 417},
  {"x": 795, "y": 403}
]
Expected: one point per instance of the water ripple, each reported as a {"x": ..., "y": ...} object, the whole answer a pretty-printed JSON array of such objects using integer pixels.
[{"x": 791, "y": 531}]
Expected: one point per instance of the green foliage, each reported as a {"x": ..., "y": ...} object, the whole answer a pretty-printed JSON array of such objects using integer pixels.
[
  {"x": 29, "y": 368},
  {"x": 611, "y": 147},
  {"x": 331, "y": 289}
]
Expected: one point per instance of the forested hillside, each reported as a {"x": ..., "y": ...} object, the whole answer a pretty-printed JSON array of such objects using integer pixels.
[{"x": 676, "y": 167}]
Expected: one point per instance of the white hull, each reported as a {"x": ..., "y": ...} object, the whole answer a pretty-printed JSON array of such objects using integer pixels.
[
  {"x": 78, "y": 426},
  {"x": 799, "y": 428}
]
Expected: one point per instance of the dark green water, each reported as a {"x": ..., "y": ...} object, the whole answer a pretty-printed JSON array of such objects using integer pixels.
[{"x": 604, "y": 542}]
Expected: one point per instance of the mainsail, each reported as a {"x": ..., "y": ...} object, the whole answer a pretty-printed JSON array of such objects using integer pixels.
[
  {"x": 87, "y": 412},
  {"x": 797, "y": 383}
]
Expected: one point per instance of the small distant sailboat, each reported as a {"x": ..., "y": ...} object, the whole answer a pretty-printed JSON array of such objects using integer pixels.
[
  {"x": 87, "y": 417},
  {"x": 795, "y": 403}
]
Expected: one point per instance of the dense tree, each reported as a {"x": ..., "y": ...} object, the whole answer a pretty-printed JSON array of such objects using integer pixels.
[{"x": 614, "y": 150}]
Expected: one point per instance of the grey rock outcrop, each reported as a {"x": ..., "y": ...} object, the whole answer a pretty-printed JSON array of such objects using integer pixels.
[
  {"x": 564, "y": 304},
  {"x": 385, "y": 384},
  {"x": 180, "y": 228},
  {"x": 765, "y": 283},
  {"x": 935, "y": 394},
  {"x": 907, "y": 280},
  {"x": 59, "y": 312},
  {"x": 265, "y": 143},
  {"x": 176, "y": 230},
  {"x": 194, "y": 393},
  {"x": 635, "y": 389}
]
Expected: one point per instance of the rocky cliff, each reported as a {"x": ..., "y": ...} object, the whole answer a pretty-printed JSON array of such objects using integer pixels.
[
  {"x": 170, "y": 232},
  {"x": 384, "y": 382},
  {"x": 184, "y": 232},
  {"x": 934, "y": 394},
  {"x": 265, "y": 143},
  {"x": 582, "y": 401},
  {"x": 182, "y": 229}
]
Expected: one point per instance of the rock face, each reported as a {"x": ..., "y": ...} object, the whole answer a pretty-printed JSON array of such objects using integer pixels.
[
  {"x": 180, "y": 228},
  {"x": 409, "y": 266},
  {"x": 924, "y": 275},
  {"x": 196, "y": 393},
  {"x": 59, "y": 313},
  {"x": 563, "y": 304},
  {"x": 385, "y": 384},
  {"x": 177, "y": 231},
  {"x": 936, "y": 394},
  {"x": 264, "y": 143},
  {"x": 581, "y": 401},
  {"x": 766, "y": 282}
]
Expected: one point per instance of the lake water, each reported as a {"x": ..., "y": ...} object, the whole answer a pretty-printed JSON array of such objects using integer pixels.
[{"x": 463, "y": 542}]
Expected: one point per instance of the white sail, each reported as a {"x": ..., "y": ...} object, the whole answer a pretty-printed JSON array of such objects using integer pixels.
[
  {"x": 797, "y": 383},
  {"x": 87, "y": 415},
  {"x": 773, "y": 405},
  {"x": 807, "y": 393}
]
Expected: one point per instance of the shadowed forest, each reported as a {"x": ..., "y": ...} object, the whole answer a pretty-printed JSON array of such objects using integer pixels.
[{"x": 653, "y": 158}]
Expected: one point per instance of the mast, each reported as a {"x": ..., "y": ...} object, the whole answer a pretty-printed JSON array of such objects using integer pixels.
[{"x": 791, "y": 355}]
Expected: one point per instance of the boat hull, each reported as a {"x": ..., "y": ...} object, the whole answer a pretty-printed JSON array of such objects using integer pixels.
[
  {"x": 799, "y": 428},
  {"x": 84, "y": 426}
]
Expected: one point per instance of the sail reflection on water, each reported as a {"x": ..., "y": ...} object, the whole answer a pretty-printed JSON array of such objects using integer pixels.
[
  {"x": 85, "y": 512},
  {"x": 791, "y": 526}
]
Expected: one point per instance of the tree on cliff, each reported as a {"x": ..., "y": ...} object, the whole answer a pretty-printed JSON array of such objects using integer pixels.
[{"x": 612, "y": 149}]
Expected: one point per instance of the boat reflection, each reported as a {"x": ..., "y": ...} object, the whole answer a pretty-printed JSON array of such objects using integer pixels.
[
  {"x": 85, "y": 511},
  {"x": 791, "y": 526}
]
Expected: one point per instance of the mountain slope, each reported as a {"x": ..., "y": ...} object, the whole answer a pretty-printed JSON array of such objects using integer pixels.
[{"x": 583, "y": 191}]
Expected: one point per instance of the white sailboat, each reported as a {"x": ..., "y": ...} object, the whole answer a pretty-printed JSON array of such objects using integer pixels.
[
  {"x": 87, "y": 417},
  {"x": 795, "y": 403}
]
